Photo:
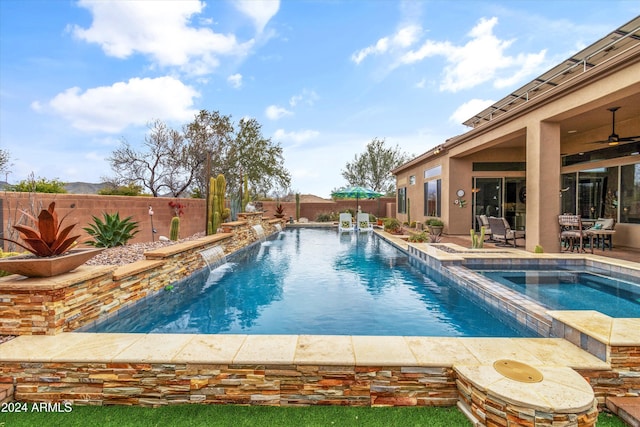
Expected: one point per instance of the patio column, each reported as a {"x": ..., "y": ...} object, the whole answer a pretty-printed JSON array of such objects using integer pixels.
[{"x": 543, "y": 186}]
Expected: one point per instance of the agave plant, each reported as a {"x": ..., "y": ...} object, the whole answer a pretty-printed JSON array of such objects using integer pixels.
[
  {"x": 112, "y": 232},
  {"x": 49, "y": 238}
]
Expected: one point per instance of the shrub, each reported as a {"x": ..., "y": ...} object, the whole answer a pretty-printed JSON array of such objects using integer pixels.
[
  {"x": 392, "y": 225},
  {"x": 131, "y": 189},
  {"x": 40, "y": 185},
  {"x": 435, "y": 222},
  {"x": 324, "y": 217},
  {"x": 112, "y": 232},
  {"x": 418, "y": 238}
]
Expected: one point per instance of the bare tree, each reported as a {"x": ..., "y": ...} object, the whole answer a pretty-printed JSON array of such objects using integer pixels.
[
  {"x": 164, "y": 165},
  {"x": 372, "y": 169}
]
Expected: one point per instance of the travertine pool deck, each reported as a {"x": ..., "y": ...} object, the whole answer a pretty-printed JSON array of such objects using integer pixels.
[{"x": 77, "y": 347}]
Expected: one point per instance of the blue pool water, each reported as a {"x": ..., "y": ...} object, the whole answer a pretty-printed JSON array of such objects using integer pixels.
[
  {"x": 312, "y": 281},
  {"x": 575, "y": 290}
]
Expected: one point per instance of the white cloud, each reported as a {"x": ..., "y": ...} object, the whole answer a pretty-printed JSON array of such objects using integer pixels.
[
  {"x": 260, "y": 11},
  {"x": 468, "y": 109},
  {"x": 403, "y": 38},
  {"x": 235, "y": 80},
  {"x": 112, "y": 108},
  {"x": 308, "y": 97},
  {"x": 162, "y": 30},
  {"x": 296, "y": 138},
  {"x": 482, "y": 59},
  {"x": 274, "y": 112}
]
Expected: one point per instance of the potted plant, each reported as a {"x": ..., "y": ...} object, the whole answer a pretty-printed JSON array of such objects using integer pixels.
[
  {"x": 50, "y": 247},
  {"x": 279, "y": 211},
  {"x": 435, "y": 226}
]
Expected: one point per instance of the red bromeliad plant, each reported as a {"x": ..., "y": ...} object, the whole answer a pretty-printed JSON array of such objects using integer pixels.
[{"x": 49, "y": 239}]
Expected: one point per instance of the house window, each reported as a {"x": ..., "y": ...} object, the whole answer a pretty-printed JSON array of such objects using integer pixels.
[
  {"x": 412, "y": 180},
  {"x": 630, "y": 194},
  {"x": 435, "y": 171},
  {"x": 598, "y": 192},
  {"x": 432, "y": 197},
  {"x": 402, "y": 200}
]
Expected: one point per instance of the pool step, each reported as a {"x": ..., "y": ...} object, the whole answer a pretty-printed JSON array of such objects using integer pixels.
[{"x": 627, "y": 408}]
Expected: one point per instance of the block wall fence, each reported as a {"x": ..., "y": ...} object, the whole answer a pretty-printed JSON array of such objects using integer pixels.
[{"x": 81, "y": 207}]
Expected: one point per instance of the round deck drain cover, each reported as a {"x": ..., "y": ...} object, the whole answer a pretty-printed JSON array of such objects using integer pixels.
[{"x": 518, "y": 371}]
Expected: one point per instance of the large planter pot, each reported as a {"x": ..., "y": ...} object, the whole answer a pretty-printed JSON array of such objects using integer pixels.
[
  {"x": 436, "y": 230},
  {"x": 31, "y": 266}
]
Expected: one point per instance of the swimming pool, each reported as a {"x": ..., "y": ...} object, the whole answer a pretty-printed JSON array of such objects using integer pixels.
[
  {"x": 316, "y": 282},
  {"x": 560, "y": 289}
]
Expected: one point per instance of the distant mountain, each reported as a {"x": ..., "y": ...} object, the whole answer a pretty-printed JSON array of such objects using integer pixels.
[{"x": 83, "y": 187}]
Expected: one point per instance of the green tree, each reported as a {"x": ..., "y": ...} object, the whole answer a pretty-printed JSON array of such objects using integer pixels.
[
  {"x": 165, "y": 164},
  {"x": 5, "y": 158},
  {"x": 372, "y": 169},
  {"x": 210, "y": 136},
  {"x": 236, "y": 151},
  {"x": 39, "y": 185},
  {"x": 258, "y": 158}
]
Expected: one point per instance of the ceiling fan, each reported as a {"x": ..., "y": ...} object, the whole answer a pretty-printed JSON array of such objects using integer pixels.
[{"x": 614, "y": 138}]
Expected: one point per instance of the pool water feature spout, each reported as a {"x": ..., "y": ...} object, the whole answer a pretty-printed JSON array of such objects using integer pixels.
[
  {"x": 214, "y": 257},
  {"x": 259, "y": 232}
]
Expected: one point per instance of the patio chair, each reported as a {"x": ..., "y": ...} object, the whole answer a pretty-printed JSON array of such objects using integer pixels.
[
  {"x": 345, "y": 222},
  {"x": 483, "y": 221},
  {"x": 571, "y": 232},
  {"x": 363, "y": 222},
  {"x": 603, "y": 229},
  {"x": 501, "y": 231}
]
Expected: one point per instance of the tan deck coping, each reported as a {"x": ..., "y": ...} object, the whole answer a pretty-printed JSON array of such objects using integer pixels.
[
  {"x": 295, "y": 349},
  {"x": 233, "y": 224},
  {"x": 607, "y": 330},
  {"x": 135, "y": 268},
  {"x": 171, "y": 250},
  {"x": 80, "y": 274},
  {"x": 274, "y": 220}
]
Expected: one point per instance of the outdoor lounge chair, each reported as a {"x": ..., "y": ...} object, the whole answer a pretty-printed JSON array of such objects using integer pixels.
[
  {"x": 363, "y": 222},
  {"x": 603, "y": 229},
  {"x": 571, "y": 232},
  {"x": 345, "y": 223},
  {"x": 501, "y": 231},
  {"x": 483, "y": 221}
]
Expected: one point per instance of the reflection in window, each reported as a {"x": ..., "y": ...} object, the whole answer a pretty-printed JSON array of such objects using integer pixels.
[
  {"x": 402, "y": 200},
  {"x": 432, "y": 197},
  {"x": 598, "y": 193},
  {"x": 630, "y": 193},
  {"x": 435, "y": 171}
]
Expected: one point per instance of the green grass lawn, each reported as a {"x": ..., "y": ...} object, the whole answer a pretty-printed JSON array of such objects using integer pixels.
[{"x": 237, "y": 416}]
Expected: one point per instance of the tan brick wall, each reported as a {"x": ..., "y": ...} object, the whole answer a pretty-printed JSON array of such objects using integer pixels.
[{"x": 85, "y": 206}]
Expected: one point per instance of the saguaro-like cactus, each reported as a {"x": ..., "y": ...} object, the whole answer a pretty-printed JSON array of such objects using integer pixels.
[
  {"x": 217, "y": 189},
  {"x": 477, "y": 242},
  {"x": 297, "y": 206},
  {"x": 175, "y": 228},
  {"x": 246, "y": 197},
  {"x": 210, "y": 201}
]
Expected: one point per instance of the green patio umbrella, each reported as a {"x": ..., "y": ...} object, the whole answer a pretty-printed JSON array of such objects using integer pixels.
[{"x": 356, "y": 193}]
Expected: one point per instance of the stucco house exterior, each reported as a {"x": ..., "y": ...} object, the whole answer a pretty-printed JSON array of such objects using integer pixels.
[{"x": 543, "y": 150}]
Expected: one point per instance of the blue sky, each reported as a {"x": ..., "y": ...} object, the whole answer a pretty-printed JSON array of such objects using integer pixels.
[{"x": 322, "y": 77}]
